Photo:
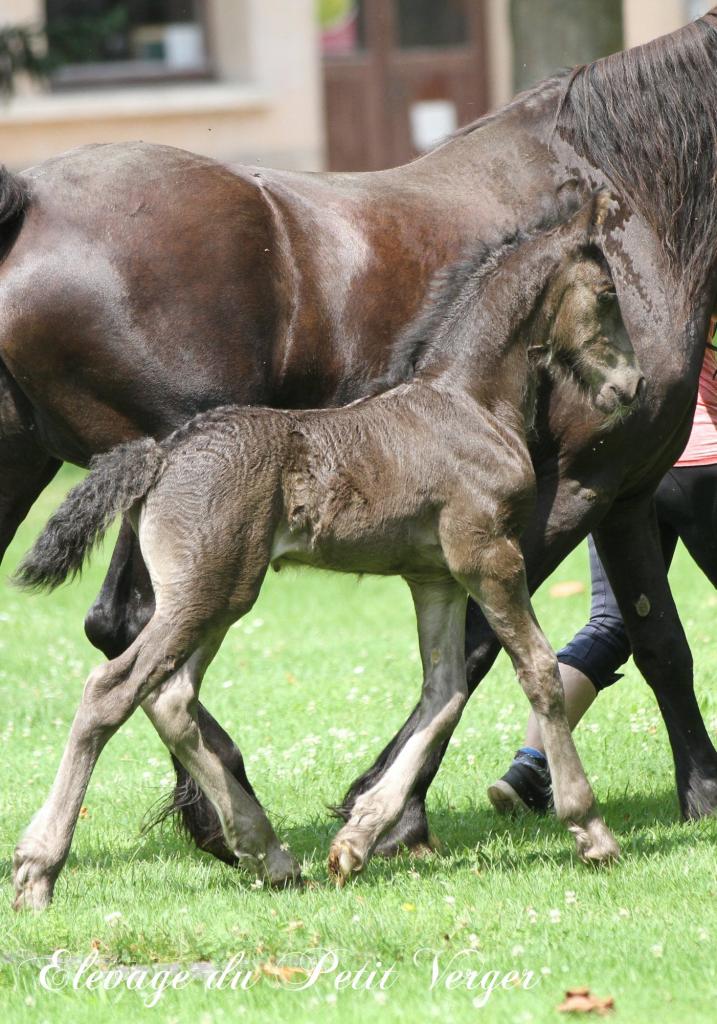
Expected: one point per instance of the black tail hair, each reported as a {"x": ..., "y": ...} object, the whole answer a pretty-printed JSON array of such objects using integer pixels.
[
  {"x": 14, "y": 198},
  {"x": 115, "y": 483}
]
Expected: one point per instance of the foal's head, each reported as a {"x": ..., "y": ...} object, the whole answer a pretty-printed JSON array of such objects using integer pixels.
[{"x": 579, "y": 326}]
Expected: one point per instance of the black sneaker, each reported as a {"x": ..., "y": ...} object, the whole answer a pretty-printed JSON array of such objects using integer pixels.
[{"x": 526, "y": 786}]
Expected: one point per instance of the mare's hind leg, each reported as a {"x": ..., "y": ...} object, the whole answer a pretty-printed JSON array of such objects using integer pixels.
[
  {"x": 246, "y": 830},
  {"x": 505, "y": 601},
  {"x": 440, "y": 611}
]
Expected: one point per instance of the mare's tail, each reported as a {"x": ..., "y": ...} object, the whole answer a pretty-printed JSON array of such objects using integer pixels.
[
  {"x": 116, "y": 481},
  {"x": 13, "y": 201}
]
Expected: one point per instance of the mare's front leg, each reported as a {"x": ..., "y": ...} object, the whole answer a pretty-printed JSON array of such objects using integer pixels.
[
  {"x": 502, "y": 592},
  {"x": 440, "y": 612},
  {"x": 629, "y": 547}
]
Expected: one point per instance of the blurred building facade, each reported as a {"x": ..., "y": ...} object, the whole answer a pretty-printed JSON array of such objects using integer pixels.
[
  {"x": 235, "y": 79},
  {"x": 350, "y": 84}
]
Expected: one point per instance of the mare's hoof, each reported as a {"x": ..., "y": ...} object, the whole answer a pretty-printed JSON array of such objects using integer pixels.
[
  {"x": 429, "y": 849},
  {"x": 414, "y": 839},
  {"x": 32, "y": 897},
  {"x": 699, "y": 798},
  {"x": 344, "y": 861},
  {"x": 293, "y": 880}
]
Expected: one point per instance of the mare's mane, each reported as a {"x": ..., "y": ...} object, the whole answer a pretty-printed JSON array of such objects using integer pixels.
[
  {"x": 648, "y": 118},
  {"x": 454, "y": 291},
  {"x": 539, "y": 91}
]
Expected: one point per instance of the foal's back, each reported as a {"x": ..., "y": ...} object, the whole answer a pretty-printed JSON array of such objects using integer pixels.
[{"x": 356, "y": 489}]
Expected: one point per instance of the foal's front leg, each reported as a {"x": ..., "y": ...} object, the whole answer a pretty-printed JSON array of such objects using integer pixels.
[
  {"x": 441, "y": 613},
  {"x": 505, "y": 602}
]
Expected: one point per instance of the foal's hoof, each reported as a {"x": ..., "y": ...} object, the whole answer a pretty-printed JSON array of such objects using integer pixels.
[
  {"x": 344, "y": 861},
  {"x": 33, "y": 896},
  {"x": 595, "y": 843},
  {"x": 33, "y": 885}
]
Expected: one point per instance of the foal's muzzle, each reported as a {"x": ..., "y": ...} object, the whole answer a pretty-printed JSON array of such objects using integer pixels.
[{"x": 621, "y": 393}]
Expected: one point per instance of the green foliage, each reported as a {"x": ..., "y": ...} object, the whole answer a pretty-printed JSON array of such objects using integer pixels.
[
  {"x": 20, "y": 50},
  {"x": 86, "y": 39},
  {"x": 333, "y": 12},
  {"x": 71, "y": 40}
]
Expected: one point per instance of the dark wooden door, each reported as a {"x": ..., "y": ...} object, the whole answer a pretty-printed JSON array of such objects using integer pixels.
[{"x": 400, "y": 74}]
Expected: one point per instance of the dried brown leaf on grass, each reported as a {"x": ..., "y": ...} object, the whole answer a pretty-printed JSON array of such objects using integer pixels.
[
  {"x": 281, "y": 972},
  {"x": 581, "y": 1000},
  {"x": 568, "y": 588}
]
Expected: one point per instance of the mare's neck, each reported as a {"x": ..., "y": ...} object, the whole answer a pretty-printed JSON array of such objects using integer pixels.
[{"x": 496, "y": 313}]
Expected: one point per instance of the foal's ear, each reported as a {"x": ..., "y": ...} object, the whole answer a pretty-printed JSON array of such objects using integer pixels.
[{"x": 604, "y": 203}]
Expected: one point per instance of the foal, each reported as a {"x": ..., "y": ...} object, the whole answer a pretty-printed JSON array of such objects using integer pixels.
[{"x": 431, "y": 480}]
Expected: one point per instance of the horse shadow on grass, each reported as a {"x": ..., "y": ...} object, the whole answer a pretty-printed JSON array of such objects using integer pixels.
[{"x": 471, "y": 837}]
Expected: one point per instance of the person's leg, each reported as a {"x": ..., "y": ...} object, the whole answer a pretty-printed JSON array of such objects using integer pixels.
[
  {"x": 579, "y": 692},
  {"x": 687, "y": 497}
]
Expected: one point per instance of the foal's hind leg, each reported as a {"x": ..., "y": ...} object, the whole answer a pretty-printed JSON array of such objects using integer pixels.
[
  {"x": 112, "y": 692},
  {"x": 247, "y": 832},
  {"x": 120, "y": 611},
  {"x": 440, "y": 611},
  {"x": 505, "y": 601}
]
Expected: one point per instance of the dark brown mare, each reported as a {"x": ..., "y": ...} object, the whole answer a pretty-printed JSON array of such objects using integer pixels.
[{"x": 140, "y": 285}]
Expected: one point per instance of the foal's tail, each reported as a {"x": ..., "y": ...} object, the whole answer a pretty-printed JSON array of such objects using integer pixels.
[{"x": 116, "y": 481}]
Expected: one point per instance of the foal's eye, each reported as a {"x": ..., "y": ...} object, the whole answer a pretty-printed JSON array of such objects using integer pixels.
[{"x": 610, "y": 295}]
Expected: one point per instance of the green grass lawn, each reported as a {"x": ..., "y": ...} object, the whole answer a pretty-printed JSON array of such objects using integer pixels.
[{"x": 312, "y": 684}]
